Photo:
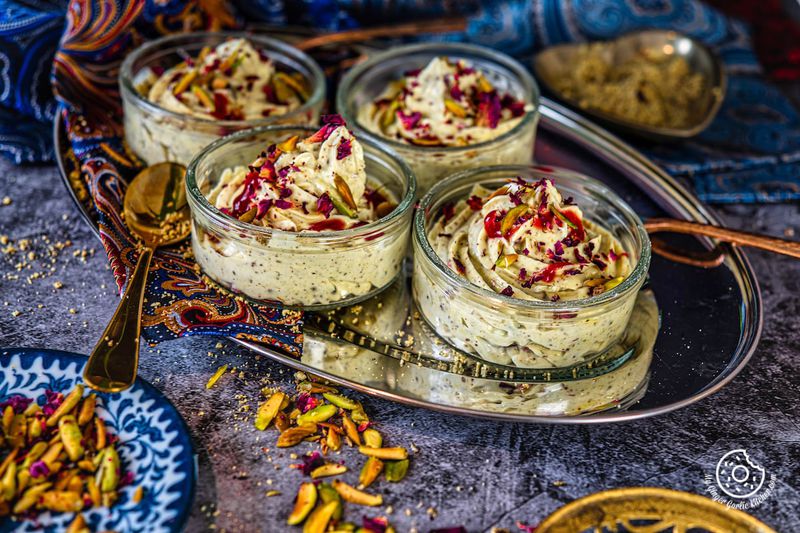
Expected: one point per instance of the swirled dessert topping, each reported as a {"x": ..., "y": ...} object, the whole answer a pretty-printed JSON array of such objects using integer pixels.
[
  {"x": 447, "y": 103},
  {"x": 318, "y": 183},
  {"x": 524, "y": 240},
  {"x": 233, "y": 81}
]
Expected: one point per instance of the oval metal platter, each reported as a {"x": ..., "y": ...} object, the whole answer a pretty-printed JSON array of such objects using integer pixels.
[{"x": 710, "y": 320}]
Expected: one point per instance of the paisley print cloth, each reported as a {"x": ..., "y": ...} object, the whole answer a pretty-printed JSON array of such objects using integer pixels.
[{"x": 179, "y": 301}]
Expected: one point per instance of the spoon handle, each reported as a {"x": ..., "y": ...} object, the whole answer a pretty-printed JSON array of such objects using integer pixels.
[
  {"x": 738, "y": 237},
  {"x": 113, "y": 362}
]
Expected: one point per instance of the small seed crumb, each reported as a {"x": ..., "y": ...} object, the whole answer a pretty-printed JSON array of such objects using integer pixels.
[
  {"x": 6, "y": 200},
  {"x": 58, "y": 285}
]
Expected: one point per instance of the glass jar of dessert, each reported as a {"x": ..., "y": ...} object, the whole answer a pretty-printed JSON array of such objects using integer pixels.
[
  {"x": 443, "y": 107},
  {"x": 527, "y": 266},
  {"x": 300, "y": 217},
  {"x": 181, "y": 92}
]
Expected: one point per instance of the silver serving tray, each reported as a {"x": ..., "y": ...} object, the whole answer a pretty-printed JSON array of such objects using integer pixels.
[{"x": 710, "y": 319}]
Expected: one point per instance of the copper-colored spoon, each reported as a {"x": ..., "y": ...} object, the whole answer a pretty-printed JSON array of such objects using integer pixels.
[
  {"x": 715, "y": 257},
  {"x": 155, "y": 211}
]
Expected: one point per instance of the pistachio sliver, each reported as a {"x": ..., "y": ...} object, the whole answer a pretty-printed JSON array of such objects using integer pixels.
[
  {"x": 396, "y": 470},
  {"x": 184, "y": 82},
  {"x": 249, "y": 215},
  {"x": 30, "y": 497},
  {"x": 342, "y": 207},
  {"x": 372, "y": 438},
  {"x": 392, "y": 454},
  {"x": 341, "y": 401},
  {"x": 66, "y": 406},
  {"x": 294, "y": 84},
  {"x": 327, "y": 470},
  {"x": 455, "y": 108},
  {"x": 353, "y": 495},
  {"x": 289, "y": 144},
  {"x": 216, "y": 376},
  {"x": 293, "y": 436},
  {"x": 203, "y": 97},
  {"x": 304, "y": 503},
  {"x": 351, "y": 430},
  {"x": 563, "y": 218},
  {"x": 370, "y": 471},
  {"x": 344, "y": 190},
  {"x": 511, "y": 217},
  {"x": 268, "y": 410},
  {"x": 484, "y": 84},
  {"x": 328, "y": 494},
  {"x": 389, "y": 114},
  {"x": 506, "y": 260},
  {"x": 610, "y": 284},
  {"x": 318, "y": 520},
  {"x": 320, "y": 413}
]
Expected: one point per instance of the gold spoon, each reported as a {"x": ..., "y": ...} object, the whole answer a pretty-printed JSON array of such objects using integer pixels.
[{"x": 156, "y": 212}]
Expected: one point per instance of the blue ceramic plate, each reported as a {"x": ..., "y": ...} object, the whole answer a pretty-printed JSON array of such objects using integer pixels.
[{"x": 154, "y": 445}]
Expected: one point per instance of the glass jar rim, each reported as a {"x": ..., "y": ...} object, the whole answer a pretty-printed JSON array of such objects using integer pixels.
[
  {"x": 612, "y": 200},
  {"x": 489, "y": 54},
  {"x": 317, "y": 77},
  {"x": 198, "y": 200}
]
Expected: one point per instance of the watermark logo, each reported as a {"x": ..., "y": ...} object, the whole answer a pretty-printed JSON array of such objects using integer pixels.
[{"x": 739, "y": 482}]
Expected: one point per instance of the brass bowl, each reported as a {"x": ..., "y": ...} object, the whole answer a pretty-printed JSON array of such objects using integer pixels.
[
  {"x": 649, "y": 509},
  {"x": 552, "y": 64}
]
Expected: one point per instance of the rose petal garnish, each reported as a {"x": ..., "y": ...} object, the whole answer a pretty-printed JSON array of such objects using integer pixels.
[
  {"x": 344, "y": 149},
  {"x": 325, "y": 205},
  {"x": 409, "y": 121},
  {"x": 374, "y": 525},
  {"x": 18, "y": 403},
  {"x": 39, "y": 469},
  {"x": 475, "y": 203},
  {"x": 508, "y": 291}
]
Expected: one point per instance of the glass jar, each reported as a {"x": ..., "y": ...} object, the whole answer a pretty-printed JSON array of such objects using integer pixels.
[
  {"x": 366, "y": 82},
  {"x": 157, "y": 134},
  {"x": 527, "y": 333},
  {"x": 307, "y": 269}
]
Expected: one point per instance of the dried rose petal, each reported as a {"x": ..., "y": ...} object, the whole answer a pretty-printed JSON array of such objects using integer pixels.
[
  {"x": 409, "y": 121},
  {"x": 54, "y": 399},
  {"x": 18, "y": 403},
  {"x": 305, "y": 402},
  {"x": 263, "y": 207},
  {"x": 448, "y": 211},
  {"x": 475, "y": 203},
  {"x": 344, "y": 149},
  {"x": 311, "y": 461},
  {"x": 283, "y": 204},
  {"x": 375, "y": 525},
  {"x": 489, "y": 110},
  {"x": 508, "y": 291},
  {"x": 39, "y": 469},
  {"x": 325, "y": 205},
  {"x": 460, "y": 268}
]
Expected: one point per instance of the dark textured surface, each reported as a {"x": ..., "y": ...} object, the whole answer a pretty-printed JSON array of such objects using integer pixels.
[{"x": 479, "y": 474}]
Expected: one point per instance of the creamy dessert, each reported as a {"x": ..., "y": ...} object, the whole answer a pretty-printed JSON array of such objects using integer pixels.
[
  {"x": 234, "y": 81},
  {"x": 449, "y": 103},
  {"x": 306, "y": 191},
  {"x": 526, "y": 242}
]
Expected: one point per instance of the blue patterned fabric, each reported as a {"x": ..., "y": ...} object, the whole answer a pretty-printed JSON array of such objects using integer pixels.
[{"x": 751, "y": 153}]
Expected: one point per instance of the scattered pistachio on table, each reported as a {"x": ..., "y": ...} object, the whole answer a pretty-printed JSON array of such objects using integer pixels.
[{"x": 319, "y": 413}]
